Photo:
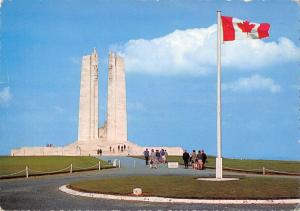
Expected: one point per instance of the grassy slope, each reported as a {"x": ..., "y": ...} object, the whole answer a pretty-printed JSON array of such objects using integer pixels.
[
  {"x": 188, "y": 187},
  {"x": 45, "y": 163},
  {"x": 288, "y": 166}
]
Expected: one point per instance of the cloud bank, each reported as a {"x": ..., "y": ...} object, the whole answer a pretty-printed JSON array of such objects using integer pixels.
[
  {"x": 193, "y": 51},
  {"x": 5, "y": 95},
  {"x": 252, "y": 83}
]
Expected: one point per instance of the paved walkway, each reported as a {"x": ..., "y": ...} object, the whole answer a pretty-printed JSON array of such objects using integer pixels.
[
  {"x": 42, "y": 193},
  {"x": 134, "y": 166},
  {"x": 127, "y": 168}
]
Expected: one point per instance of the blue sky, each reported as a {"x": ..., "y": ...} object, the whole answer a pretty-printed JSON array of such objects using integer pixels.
[{"x": 169, "y": 49}]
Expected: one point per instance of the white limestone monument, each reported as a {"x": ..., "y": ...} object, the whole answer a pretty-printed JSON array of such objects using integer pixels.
[
  {"x": 88, "y": 103},
  {"x": 112, "y": 137}
]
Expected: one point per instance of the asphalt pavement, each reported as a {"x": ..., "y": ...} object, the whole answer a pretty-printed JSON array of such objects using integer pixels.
[{"x": 42, "y": 193}]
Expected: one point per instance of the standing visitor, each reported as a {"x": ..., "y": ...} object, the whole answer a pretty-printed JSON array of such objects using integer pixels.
[
  {"x": 146, "y": 155},
  {"x": 157, "y": 158},
  {"x": 162, "y": 155},
  {"x": 186, "y": 157},
  {"x": 204, "y": 157},
  {"x": 152, "y": 158},
  {"x": 199, "y": 160},
  {"x": 100, "y": 152},
  {"x": 166, "y": 156},
  {"x": 193, "y": 158}
]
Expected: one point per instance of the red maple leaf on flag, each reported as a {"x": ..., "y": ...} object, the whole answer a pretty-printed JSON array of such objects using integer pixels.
[{"x": 246, "y": 26}]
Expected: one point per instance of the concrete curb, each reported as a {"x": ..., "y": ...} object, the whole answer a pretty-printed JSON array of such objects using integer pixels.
[{"x": 173, "y": 200}]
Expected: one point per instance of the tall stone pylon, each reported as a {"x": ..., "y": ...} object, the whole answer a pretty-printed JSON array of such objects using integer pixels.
[
  {"x": 88, "y": 103},
  {"x": 116, "y": 100}
]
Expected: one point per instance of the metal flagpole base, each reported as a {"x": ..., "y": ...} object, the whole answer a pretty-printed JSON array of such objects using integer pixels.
[
  {"x": 218, "y": 180},
  {"x": 219, "y": 172}
]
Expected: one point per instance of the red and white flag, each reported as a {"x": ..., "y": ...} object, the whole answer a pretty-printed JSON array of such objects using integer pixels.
[{"x": 236, "y": 29}]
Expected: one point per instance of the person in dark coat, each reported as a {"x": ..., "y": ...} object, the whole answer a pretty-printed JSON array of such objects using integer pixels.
[
  {"x": 204, "y": 157},
  {"x": 186, "y": 157},
  {"x": 146, "y": 155}
]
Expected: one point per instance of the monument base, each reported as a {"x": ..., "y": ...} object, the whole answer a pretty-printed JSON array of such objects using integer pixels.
[{"x": 91, "y": 147}]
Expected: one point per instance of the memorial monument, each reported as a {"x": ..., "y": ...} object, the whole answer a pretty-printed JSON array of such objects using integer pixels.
[{"x": 112, "y": 137}]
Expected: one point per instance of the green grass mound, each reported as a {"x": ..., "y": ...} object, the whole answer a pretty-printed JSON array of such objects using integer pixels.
[
  {"x": 248, "y": 165},
  {"x": 189, "y": 187},
  {"x": 9, "y": 165}
]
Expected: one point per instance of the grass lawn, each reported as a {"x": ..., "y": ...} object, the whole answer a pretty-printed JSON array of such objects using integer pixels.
[
  {"x": 277, "y": 165},
  {"x": 189, "y": 187},
  {"x": 9, "y": 164}
]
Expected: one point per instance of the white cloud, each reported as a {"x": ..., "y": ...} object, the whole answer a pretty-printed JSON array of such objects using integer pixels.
[
  {"x": 253, "y": 83},
  {"x": 193, "y": 51},
  {"x": 5, "y": 95},
  {"x": 256, "y": 54},
  {"x": 247, "y": 1},
  {"x": 1, "y": 2},
  {"x": 175, "y": 53}
]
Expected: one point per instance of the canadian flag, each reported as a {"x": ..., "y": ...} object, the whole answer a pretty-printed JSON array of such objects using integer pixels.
[{"x": 236, "y": 29}]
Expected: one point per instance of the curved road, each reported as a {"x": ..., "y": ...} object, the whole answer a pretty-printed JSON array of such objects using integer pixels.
[{"x": 42, "y": 193}]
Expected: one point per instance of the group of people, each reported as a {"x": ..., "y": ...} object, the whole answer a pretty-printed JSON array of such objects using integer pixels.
[
  {"x": 49, "y": 145},
  {"x": 121, "y": 148},
  {"x": 154, "y": 158},
  {"x": 196, "y": 159},
  {"x": 99, "y": 152}
]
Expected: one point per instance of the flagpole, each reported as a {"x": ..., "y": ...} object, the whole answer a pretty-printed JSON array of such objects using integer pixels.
[{"x": 219, "y": 174}]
